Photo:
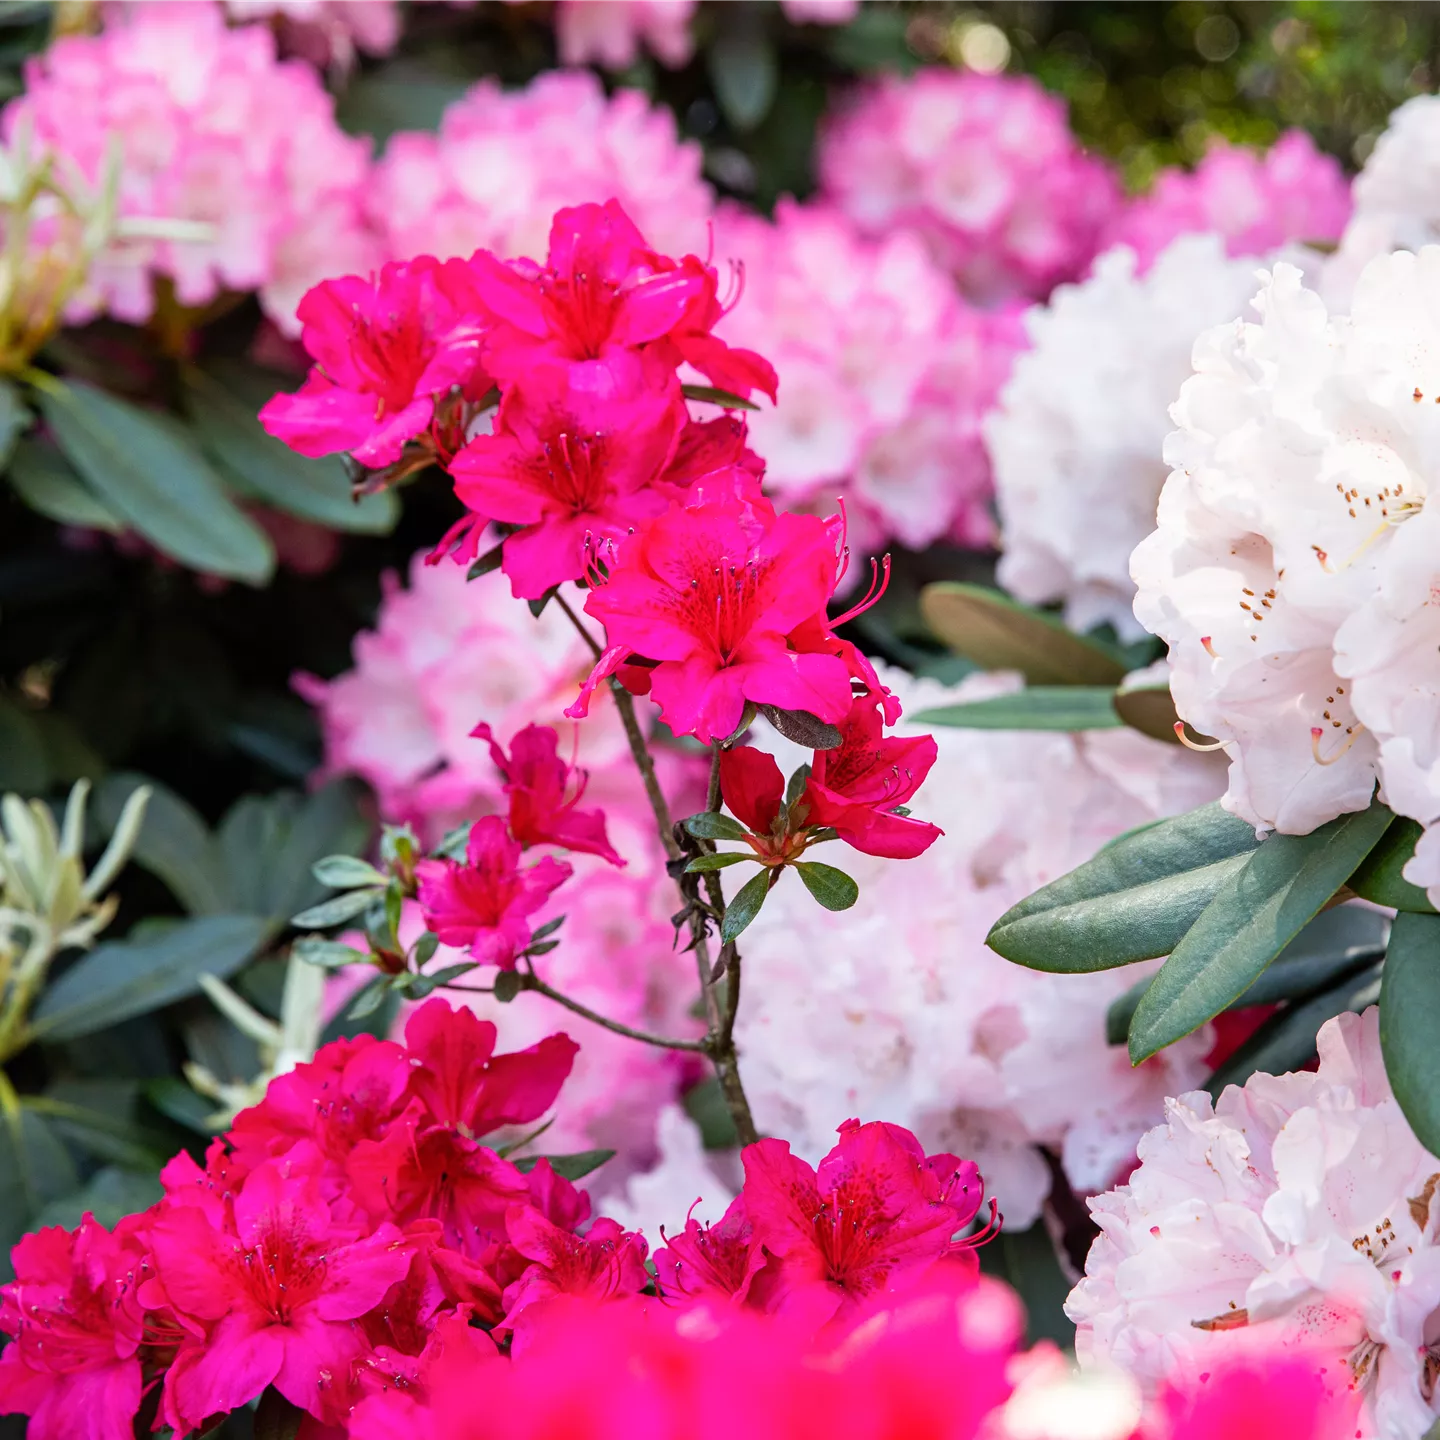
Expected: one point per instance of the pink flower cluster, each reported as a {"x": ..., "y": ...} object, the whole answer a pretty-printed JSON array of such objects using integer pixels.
[
  {"x": 1257, "y": 202},
  {"x": 212, "y": 128},
  {"x": 888, "y": 374},
  {"x": 983, "y": 167},
  {"x": 326, "y": 32},
  {"x": 505, "y": 160}
]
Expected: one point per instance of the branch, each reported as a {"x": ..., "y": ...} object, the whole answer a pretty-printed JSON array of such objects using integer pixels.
[{"x": 530, "y": 981}]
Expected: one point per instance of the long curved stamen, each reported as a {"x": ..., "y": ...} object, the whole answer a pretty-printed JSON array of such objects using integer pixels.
[
  {"x": 1208, "y": 647},
  {"x": 1352, "y": 733},
  {"x": 1195, "y": 745},
  {"x": 879, "y": 584}
]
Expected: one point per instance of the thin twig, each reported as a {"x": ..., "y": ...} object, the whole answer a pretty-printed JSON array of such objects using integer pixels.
[{"x": 667, "y": 1042}]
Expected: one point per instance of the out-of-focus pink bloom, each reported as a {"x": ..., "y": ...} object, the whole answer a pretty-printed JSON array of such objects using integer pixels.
[
  {"x": 983, "y": 167},
  {"x": 544, "y": 792},
  {"x": 888, "y": 374},
  {"x": 1270, "y": 1395},
  {"x": 212, "y": 129},
  {"x": 611, "y": 33},
  {"x": 574, "y": 463},
  {"x": 76, "y": 1326},
  {"x": 385, "y": 349},
  {"x": 1257, "y": 202},
  {"x": 504, "y": 161},
  {"x": 713, "y": 596},
  {"x": 857, "y": 787},
  {"x": 327, "y": 32},
  {"x": 484, "y": 904},
  {"x": 820, "y": 12}
]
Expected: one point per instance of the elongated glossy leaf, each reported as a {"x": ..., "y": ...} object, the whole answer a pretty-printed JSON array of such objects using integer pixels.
[
  {"x": 744, "y": 71},
  {"x": 35, "y": 1169},
  {"x": 24, "y": 766},
  {"x": 711, "y": 395},
  {"x": 803, "y": 728},
  {"x": 149, "y": 474},
  {"x": 1410, "y": 1022},
  {"x": 328, "y": 954},
  {"x": 1132, "y": 901},
  {"x": 44, "y": 480},
  {"x": 833, "y": 888},
  {"x": 711, "y": 825},
  {"x": 337, "y": 911},
  {"x": 15, "y": 418},
  {"x": 1286, "y": 1041},
  {"x": 702, "y": 863},
  {"x": 572, "y": 1167},
  {"x": 1253, "y": 917},
  {"x": 276, "y": 1418},
  {"x": 1379, "y": 878},
  {"x": 1149, "y": 709},
  {"x": 1038, "y": 707},
  {"x": 131, "y": 977},
  {"x": 997, "y": 634},
  {"x": 224, "y": 403},
  {"x": 744, "y": 906}
]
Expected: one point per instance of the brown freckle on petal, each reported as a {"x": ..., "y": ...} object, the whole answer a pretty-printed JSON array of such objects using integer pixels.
[{"x": 1418, "y": 395}]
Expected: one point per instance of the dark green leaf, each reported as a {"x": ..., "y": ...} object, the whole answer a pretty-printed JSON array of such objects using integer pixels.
[
  {"x": 378, "y": 103},
  {"x": 571, "y": 1167},
  {"x": 24, "y": 767},
  {"x": 1410, "y": 1022},
  {"x": 997, "y": 634},
  {"x": 130, "y": 977},
  {"x": 15, "y": 417},
  {"x": 702, "y": 863},
  {"x": 422, "y": 985},
  {"x": 369, "y": 998},
  {"x": 705, "y": 1105},
  {"x": 744, "y": 70},
  {"x": 803, "y": 728},
  {"x": 44, "y": 480},
  {"x": 1255, "y": 914},
  {"x": 710, "y": 395},
  {"x": 542, "y": 947},
  {"x": 345, "y": 872},
  {"x": 548, "y": 928},
  {"x": 508, "y": 984},
  {"x": 394, "y": 902},
  {"x": 337, "y": 911},
  {"x": 537, "y": 607},
  {"x": 1149, "y": 709},
  {"x": 425, "y": 947},
  {"x": 224, "y": 404},
  {"x": 744, "y": 906},
  {"x": 712, "y": 825},
  {"x": 174, "y": 1099},
  {"x": 148, "y": 473},
  {"x": 106, "y": 1136},
  {"x": 35, "y": 1169},
  {"x": 453, "y": 843},
  {"x": 1379, "y": 878},
  {"x": 1026, "y": 1261},
  {"x": 276, "y": 1418},
  {"x": 833, "y": 888},
  {"x": 1038, "y": 707},
  {"x": 795, "y": 786},
  {"x": 110, "y": 1195},
  {"x": 490, "y": 560},
  {"x": 328, "y": 954},
  {"x": 1133, "y": 901}
]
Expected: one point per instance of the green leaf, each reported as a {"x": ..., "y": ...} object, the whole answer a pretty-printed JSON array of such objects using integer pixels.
[
  {"x": 369, "y": 998},
  {"x": 537, "y": 607},
  {"x": 1253, "y": 917},
  {"x": 345, "y": 872},
  {"x": 149, "y": 474},
  {"x": 131, "y": 977},
  {"x": 174, "y": 843},
  {"x": 1133, "y": 901},
  {"x": 1148, "y": 708},
  {"x": 422, "y": 985},
  {"x": 803, "y": 728},
  {"x": 276, "y": 1418},
  {"x": 15, "y": 417},
  {"x": 1038, "y": 707},
  {"x": 1026, "y": 1261},
  {"x": 425, "y": 947},
  {"x": 1410, "y": 1022},
  {"x": 110, "y": 1195},
  {"x": 710, "y": 395},
  {"x": 224, "y": 403},
  {"x": 490, "y": 560},
  {"x": 24, "y": 768},
  {"x": 35, "y": 1169},
  {"x": 108, "y": 1136},
  {"x": 712, "y": 825},
  {"x": 572, "y": 1167},
  {"x": 328, "y": 954},
  {"x": 43, "y": 479},
  {"x": 548, "y": 928},
  {"x": 744, "y": 70},
  {"x": 833, "y": 888},
  {"x": 744, "y": 906},
  {"x": 339, "y": 910},
  {"x": 705, "y": 1105},
  {"x": 1379, "y": 878},
  {"x": 508, "y": 984},
  {"x": 1286, "y": 1041},
  {"x": 997, "y": 634},
  {"x": 174, "y": 1099},
  {"x": 795, "y": 785},
  {"x": 702, "y": 863}
]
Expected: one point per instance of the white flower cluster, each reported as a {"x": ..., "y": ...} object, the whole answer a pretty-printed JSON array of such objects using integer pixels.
[
  {"x": 1299, "y": 1214},
  {"x": 1076, "y": 439},
  {"x": 1295, "y": 569},
  {"x": 897, "y": 1009}
]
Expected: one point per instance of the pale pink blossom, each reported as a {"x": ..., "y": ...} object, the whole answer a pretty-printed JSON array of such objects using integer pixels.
[
  {"x": 984, "y": 167},
  {"x": 613, "y": 33},
  {"x": 820, "y": 12},
  {"x": 504, "y": 161},
  {"x": 327, "y": 32}
]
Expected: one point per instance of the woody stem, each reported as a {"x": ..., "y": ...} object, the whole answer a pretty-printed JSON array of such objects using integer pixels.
[{"x": 531, "y": 981}]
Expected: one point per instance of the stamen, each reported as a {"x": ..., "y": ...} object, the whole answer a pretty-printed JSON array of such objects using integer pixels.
[
  {"x": 1195, "y": 745},
  {"x": 879, "y": 584},
  {"x": 1352, "y": 733},
  {"x": 1209, "y": 648}
]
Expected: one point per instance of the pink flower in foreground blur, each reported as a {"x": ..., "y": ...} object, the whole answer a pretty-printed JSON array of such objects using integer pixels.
[
  {"x": 983, "y": 167},
  {"x": 484, "y": 905},
  {"x": 610, "y": 33},
  {"x": 327, "y": 32},
  {"x": 504, "y": 161},
  {"x": 544, "y": 792},
  {"x": 214, "y": 130},
  {"x": 385, "y": 349},
  {"x": 272, "y": 1287},
  {"x": 1257, "y": 202},
  {"x": 712, "y": 592},
  {"x": 573, "y": 463},
  {"x": 76, "y": 1327}
]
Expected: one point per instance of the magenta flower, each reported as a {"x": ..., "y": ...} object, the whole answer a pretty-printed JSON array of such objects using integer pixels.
[
  {"x": 385, "y": 349},
  {"x": 76, "y": 1327},
  {"x": 712, "y": 593},
  {"x": 573, "y": 460},
  {"x": 544, "y": 792},
  {"x": 484, "y": 905},
  {"x": 273, "y": 1294},
  {"x": 710, "y": 1261}
]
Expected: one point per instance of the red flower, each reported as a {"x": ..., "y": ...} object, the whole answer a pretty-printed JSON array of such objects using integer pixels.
[
  {"x": 752, "y": 786},
  {"x": 712, "y": 592},
  {"x": 484, "y": 905},
  {"x": 857, "y": 787},
  {"x": 385, "y": 349},
  {"x": 73, "y": 1311},
  {"x": 539, "y": 784},
  {"x": 711, "y": 1261}
]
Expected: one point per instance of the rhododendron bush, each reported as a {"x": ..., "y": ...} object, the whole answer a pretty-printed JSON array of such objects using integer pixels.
[{"x": 717, "y": 720}]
